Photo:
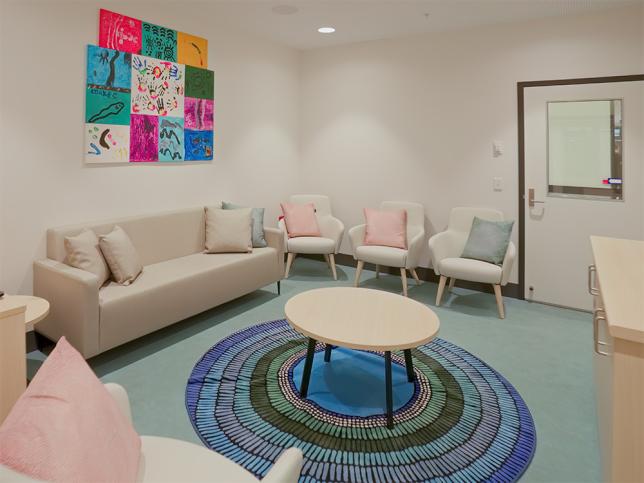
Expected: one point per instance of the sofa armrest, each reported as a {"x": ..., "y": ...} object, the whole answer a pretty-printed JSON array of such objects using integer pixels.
[
  {"x": 275, "y": 239},
  {"x": 446, "y": 244},
  {"x": 508, "y": 262},
  {"x": 119, "y": 394},
  {"x": 9, "y": 475},
  {"x": 73, "y": 299},
  {"x": 331, "y": 227},
  {"x": 414, "y": 249},
  {"x": 287, "y": 468},
  {"x": 356, "y": 235}
]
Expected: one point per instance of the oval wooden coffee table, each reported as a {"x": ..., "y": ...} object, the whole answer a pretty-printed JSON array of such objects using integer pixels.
[{"x": 363, "y": 319}]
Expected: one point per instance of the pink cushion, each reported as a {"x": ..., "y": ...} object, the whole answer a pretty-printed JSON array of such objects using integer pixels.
[
  {"x": 66, "y": 426},
  {"x": 386, "y": 228},
  {"x": 300, "y": 220}
]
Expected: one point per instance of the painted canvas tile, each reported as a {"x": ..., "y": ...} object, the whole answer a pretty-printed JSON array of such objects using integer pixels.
[
  {"x": 108, "y": 68},
  {"x": 199, "y": 114},
  {"x": 157, "y": 87},
  {"x": 144, "y": 138},
  {"x": 103, "y": 106},
  {"x": 158, "y": 42},
  {"x": 200, "y": 83},
  {"x": 119, "y": 32},
  {"x": 171, "y": 139},
  {"x": 107, "y": 143},
  {"x": 199, "y": 145},
  {"x": 192, "y": 50}
]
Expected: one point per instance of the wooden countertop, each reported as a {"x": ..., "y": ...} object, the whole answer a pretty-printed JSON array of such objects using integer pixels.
[{"x": 620, "y": 274}]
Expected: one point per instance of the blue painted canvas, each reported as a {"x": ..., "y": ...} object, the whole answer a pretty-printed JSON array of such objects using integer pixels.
[
  {"x": 171, "y": 147},
  {"x": 109, "y": 69},
  {"x": 199, "y": 145}
]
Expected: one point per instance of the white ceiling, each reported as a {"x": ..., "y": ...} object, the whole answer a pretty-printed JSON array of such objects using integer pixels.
[{"x": 363, "y": 20}]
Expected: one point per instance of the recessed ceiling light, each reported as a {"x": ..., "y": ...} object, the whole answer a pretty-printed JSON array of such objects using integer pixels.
[
  {"x": 284, "y": 9},
  {"x": 326, "y": 30}
]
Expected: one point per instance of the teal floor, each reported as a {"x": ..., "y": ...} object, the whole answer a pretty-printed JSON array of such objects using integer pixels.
[{"x": 545, "y": 352}]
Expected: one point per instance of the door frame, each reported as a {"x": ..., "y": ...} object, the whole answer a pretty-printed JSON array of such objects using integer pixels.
[{"x": 521, "y": 86}]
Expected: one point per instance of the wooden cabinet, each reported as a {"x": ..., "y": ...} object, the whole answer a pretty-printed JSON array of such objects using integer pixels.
[{"x": 617, "y": 284}]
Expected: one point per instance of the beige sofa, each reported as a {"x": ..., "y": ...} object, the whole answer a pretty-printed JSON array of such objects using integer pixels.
[{"x": 178, "y": 280}]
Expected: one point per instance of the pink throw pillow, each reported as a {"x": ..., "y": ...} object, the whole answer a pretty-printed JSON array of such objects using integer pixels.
[
  {"x": 300, "y": 220},
  {"x": 386, "y": 228},
  {"x": 67, "y": 428}
]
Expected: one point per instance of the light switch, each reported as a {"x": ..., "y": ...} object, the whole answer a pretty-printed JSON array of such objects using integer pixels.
[
  {"x": 497, "y": 184},
  {"x": 497, "y": 148}
]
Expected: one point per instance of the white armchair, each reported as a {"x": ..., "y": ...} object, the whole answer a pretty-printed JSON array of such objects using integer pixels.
[
  {"x": 392, "y": 257},
  {"x": 446, "y": 248},
  {"x": 331, "y": 230},
  {"x": 168, "y": 460}
]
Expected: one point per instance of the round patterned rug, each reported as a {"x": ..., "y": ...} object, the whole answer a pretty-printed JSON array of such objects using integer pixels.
[{"x": 459, "y": 421}]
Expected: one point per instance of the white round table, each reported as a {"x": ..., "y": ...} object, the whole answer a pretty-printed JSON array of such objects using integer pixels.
[{"x": 363, "y": 319}]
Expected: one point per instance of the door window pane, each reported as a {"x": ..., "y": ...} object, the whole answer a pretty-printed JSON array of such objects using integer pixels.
[{"x": 585, "y": 148}]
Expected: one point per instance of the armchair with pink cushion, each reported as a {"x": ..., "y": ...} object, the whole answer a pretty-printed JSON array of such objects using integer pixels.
[
  {"x": 68, "y": 426},
  {"x": 326, "y": 242},
  {"x": 406, "y": 258}
]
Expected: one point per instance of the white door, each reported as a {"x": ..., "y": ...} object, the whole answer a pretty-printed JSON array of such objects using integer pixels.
[{"x": 581, "y": 142}]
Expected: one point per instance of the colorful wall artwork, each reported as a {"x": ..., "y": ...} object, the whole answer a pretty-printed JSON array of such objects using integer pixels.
[{"x": 149, "y": 97}]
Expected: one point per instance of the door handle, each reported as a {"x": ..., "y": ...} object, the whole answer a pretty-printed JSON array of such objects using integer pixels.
[{"x": 531, "y": 200}]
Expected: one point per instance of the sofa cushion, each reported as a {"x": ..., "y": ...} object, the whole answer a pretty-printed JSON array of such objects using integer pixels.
[
  {"x": 173, "y": 290},
  {"x": 386, "y": 228},
  {"x": 83, "y": 252},
  {"x": 389, "y": 256},
  {"x": 228, "y": 231},
  {"x": 488, "y": 240},
  {"x": 300, "y": 220},
  {"x": 469, "y": 269},
  {"x": 311, "y": 244},
  {"x": 121, "y": 256},
  {"x": 259, "y": 240},
  {"x": 67, "y": 427}
]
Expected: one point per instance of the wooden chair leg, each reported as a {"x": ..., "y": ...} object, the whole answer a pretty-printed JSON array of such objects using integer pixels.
[
  {"x": 403, "y": 277},
  {"x": 326, "y": 259},
  {"x": 289, "y": 262},
  {"x": 452, "y": 281},
  {"x": 358, "y": 273},
  {"x": 377, "y": 271},
  {"x": 441, "y": 288},
  {"x": 415, "y": 275},
  {"x": 499, "y": 300},
  {"x": 331, "y": 258}
]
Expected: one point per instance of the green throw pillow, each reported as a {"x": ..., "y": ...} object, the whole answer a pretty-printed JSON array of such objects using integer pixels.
[
  {"x": 258, "y": 223},
  {"x": 488, "y": 240}
]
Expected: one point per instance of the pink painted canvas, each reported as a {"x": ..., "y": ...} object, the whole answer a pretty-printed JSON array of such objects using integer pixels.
[
  {"x": 119, "y": 32},
  {"x": 198, "y": 114},
  {"x": 144, "y": 138}
]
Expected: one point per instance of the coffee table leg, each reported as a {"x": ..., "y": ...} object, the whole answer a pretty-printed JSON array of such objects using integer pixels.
[
  {"x": 308, "y": 364},
  {"x": 327, "y": 352},
  {"x": 388, "y": 389},
  {"x": 409, "y": 365}
]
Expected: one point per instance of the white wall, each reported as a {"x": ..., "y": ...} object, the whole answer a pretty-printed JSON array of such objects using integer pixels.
[
  {"x": 415, "y": 118},
  {"x": 43, "y": 180}
]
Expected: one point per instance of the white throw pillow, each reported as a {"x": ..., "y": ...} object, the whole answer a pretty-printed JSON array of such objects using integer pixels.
[
  {"x": 121, "y": 256},
  {"x": 228, "y": 231},
  {"x": 83, "y": 252}
]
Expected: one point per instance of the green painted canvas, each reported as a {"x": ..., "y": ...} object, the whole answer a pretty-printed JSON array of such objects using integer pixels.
[
  {"x": 200, "y": 83},
  {"x": 104, "y": 106},
  {"x": 158, "y": 42}
]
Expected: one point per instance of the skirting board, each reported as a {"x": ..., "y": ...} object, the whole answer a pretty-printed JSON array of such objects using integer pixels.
[{"x": 427, "y": 274}]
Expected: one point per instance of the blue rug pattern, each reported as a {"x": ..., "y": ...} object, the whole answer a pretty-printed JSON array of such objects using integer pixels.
[{"x": 459, "y": 420}]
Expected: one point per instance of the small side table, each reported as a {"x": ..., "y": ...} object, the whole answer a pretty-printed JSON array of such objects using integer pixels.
[
  {"x": 18, "y": 314},
  {"x": 37, "y": 308}
]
